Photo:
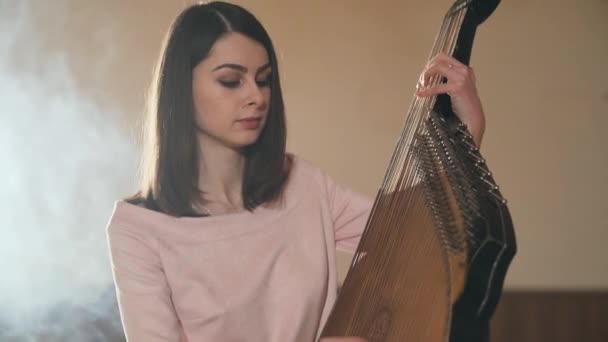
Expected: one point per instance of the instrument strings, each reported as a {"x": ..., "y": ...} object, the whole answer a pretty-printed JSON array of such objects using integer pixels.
[{"x": 391, "y": 206}]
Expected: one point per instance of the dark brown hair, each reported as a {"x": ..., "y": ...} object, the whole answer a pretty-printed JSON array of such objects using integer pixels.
[{"x": 169, "y": 179}]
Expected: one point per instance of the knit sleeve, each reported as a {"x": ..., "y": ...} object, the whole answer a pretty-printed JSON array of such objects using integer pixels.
[
  {"x": 350, "y": 211},
  {"x": 144, "y": 298}
]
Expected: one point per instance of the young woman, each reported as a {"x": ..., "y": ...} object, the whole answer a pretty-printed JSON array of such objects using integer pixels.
[{"x": 229, "y": 238}]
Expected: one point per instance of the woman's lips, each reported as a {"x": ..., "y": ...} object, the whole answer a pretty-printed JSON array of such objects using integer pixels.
[{"x": 250, "y": 123}]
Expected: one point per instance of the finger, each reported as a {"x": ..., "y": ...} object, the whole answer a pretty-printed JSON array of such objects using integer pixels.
[
  {"x": 441, "y": 88},
  {"x": 444, "y": 58},
  {"x": 442, "y": 69},
  {"x": 461, "y": 68},
  {"x": 472, "y": 74},
  {"x": 432, "y": 66}
]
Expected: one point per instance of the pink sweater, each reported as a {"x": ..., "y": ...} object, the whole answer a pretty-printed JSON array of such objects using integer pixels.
[{"x": 267, "y": 276}]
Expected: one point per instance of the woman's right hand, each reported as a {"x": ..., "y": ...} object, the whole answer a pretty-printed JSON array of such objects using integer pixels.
[{"x": 343, "y": 339}]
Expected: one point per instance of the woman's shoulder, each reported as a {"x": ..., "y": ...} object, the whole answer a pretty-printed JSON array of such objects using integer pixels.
[
  {"x": 305, "y": 168},
  {"x": 134, "y": 215},
  {"x": 305, "y": 174},
  {"x": 138, "y": 216}
]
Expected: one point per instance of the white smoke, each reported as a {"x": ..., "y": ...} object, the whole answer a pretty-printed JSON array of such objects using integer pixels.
[{"x": 63, "y": 163}]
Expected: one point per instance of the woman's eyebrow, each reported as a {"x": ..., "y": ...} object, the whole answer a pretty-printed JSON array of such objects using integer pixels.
[
  {"x": 263, "y": 68},
  {"x": 241, "y": 68}
]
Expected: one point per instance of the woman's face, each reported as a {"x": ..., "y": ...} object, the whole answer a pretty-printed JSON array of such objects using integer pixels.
[{"x": 231, "y": 91}]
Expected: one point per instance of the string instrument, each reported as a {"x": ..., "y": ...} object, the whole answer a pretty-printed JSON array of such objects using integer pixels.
[{"x": 432, "y": 259}]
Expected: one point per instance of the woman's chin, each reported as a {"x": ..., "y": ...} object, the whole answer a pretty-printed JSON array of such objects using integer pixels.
[{"x": 243, "y": 142}]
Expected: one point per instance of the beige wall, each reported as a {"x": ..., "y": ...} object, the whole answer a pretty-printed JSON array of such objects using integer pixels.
[{"x": 349, "y": 70}]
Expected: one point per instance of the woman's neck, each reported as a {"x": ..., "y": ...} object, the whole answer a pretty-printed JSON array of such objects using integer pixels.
[{"x": 221, "y": 175}]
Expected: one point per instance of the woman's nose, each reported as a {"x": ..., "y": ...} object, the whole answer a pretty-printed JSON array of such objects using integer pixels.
[{"x": 255, "y": 95}]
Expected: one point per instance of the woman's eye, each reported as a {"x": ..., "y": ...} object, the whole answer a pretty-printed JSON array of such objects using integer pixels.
[
  {"x": 264, "y": 83},
  {"x": 230, "y": 84},
  {"x": 237, "y": 83}
]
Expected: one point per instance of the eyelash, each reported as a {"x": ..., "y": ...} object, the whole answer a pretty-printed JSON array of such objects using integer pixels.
[{"x": 235, "y": 84}]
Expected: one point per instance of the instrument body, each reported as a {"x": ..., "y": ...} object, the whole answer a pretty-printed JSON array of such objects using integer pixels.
[{"x": 432, "y": 260}]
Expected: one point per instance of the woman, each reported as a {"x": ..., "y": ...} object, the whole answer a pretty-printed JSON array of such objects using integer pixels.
[{"x": 229, "y": 238}]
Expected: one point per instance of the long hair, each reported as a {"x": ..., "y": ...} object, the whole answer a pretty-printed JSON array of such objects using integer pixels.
[{"x": 169, "y": 179}]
